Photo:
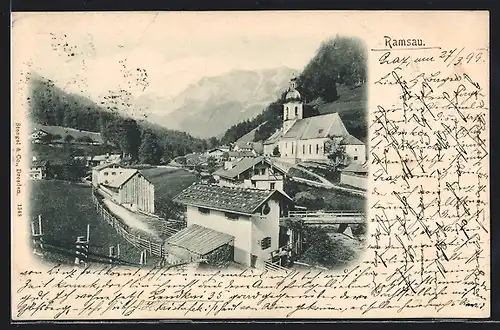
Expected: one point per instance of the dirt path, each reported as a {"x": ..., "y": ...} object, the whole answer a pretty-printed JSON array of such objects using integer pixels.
[{"x": 130, "y": 218}]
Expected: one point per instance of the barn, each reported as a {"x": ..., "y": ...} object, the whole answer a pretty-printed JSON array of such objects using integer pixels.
[{"x": 131, "y": 189}]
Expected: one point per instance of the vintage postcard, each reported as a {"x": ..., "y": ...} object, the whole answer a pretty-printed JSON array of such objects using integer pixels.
[{"x": 221, "y": 165}]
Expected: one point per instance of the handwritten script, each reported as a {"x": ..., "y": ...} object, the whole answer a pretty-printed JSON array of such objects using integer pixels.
[{"x": 428, "y": 217}]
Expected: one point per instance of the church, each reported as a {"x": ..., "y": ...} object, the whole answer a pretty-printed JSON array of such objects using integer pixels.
[{"x": 304, "y": 139}]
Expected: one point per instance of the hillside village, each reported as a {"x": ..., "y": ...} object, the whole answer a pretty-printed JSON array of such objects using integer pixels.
[{"x": 238, "y": 210}]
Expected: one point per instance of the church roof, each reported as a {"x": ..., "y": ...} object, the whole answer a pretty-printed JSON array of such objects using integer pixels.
[
  {"x": 351, "y": 140},
  {"x": 274, "y": 137},
  {"x": 292, "y": 94},
  {"x": 317, "y": 127}
]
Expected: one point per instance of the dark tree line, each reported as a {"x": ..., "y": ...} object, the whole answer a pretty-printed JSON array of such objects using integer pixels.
[
  {"x": 142, "y": 141},
  {"x": 338, "y": 61}
]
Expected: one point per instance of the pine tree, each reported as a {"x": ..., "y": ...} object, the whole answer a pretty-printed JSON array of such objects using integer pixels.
[{"x": 150, "y": 151}]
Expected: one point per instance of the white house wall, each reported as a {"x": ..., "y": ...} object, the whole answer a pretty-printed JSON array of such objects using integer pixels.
[
  {"x": 268, "y": 149},
  {"x": 241, "y": 229},
  {"x": 266, "y": 226},
  {"x": 106, "y": 175},
  {"x": 354, "y": 180},
  {"x": 356, "y": 153},
  {"x": 311, "y": 149}
]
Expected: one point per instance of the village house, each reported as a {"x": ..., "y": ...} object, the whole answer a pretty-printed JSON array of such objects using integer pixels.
[
  {"x": 355, "y": 175},
  {"x": 215, "y": 153},
  {"x": 60, "y": 133},
  {"x": 245, "y": 219},
  {"x": 105, "y": 173},
  {"x": 103, "y": 159},
  {"x": 37, "y": 135},
  {"x": 304, "y": 139},
  {"x": 38, "y": 169},
  {"x": 234, "y": 155},
  {"x": 258, "y": 172},
  {"x": 243, "y": 146},
  {"x": 131, "y": 189}
]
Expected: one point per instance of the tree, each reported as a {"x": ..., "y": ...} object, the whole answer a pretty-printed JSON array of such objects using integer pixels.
[
  {"x": 211, "y": 164},
  {"x": 212, "y": 142},
  {"x": 46, "y": 139},
  {"x": 336, "y": 152},
  {"x": 276, "y": 151},
  {"x": 321, "y": 249},
  {"x": 181, "y": 160},
  {"x": 68, "y": 138},
  {"x": 84, "y": 139},
  {"x": 307, "y": 199},
  {"x": 150, "y": 151},
  {"x": 225, "y": 156}
]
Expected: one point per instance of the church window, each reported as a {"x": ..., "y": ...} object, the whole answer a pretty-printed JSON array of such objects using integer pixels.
[
  {"x": 317, "y": 148},
  {"x": 286, "y": 113},
  {"x": 310, "y": 149},
  {"x": 355, "y": 157},
  {"x": 303, "y": 149},
  {"x": 292, "y": 148},
  {"x": 296, "y": 111}
]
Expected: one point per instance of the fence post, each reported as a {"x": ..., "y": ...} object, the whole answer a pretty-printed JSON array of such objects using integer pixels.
[
  {"x": 143, "y": 260},
  {"x": 81, "y": 250},
  {"x": 37, "y": 237},
  {"x": 111, "y": 253}
]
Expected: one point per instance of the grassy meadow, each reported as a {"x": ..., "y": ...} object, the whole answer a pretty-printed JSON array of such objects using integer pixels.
[{"x": 66, "y": 210}]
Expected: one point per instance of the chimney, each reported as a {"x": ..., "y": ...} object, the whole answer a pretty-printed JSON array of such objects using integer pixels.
[
  {"x": 228, "y": 165},
  {"x": 34, "y": 158}
]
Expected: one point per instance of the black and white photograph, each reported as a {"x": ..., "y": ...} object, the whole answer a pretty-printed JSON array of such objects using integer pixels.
[
  {"x": 208, "y": 149},
  {"x": 250, "y": 164}
]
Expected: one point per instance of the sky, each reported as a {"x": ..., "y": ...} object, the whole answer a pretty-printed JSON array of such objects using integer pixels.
[{"x": 81, "y": 52}]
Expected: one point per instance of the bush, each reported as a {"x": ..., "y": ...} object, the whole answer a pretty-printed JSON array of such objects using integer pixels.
[
  {"x": 323, "y": 250},
  {"x": 307, "y": 199},
  {"x": 291, "y": 188},
  {"x": 359, "y": 229}
]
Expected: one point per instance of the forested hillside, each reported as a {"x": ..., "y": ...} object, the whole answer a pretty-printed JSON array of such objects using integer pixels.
[
  {"x": 333, "y": 81},
  {"x": 145, "y": 142}
]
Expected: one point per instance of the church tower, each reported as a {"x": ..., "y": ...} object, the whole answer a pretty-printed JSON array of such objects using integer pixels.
[{"x": 292, "y": 108}]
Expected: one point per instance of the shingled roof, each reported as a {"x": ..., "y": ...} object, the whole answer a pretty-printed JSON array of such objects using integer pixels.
[
  {"x": 243, "y": 165},
  {"x": 199, "y": 240},
  {"x": 351, "y": 140},
  {"x": 231, "y": 199}
]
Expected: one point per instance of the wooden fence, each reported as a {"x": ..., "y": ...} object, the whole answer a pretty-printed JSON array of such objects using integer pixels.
[{"x": 154, "y": 247}]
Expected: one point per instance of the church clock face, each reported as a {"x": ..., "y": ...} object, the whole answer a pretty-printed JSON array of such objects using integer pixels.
[{"x": 266, "y": 209}]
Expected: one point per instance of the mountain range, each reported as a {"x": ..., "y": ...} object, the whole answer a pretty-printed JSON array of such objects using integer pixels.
[{"x": 209, "y": 107}]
